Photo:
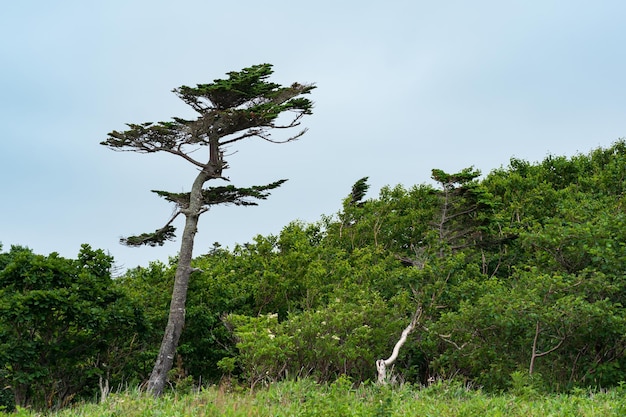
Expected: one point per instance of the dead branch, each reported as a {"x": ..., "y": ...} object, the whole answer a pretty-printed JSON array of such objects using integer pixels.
[{"x": 382, "y": 364}]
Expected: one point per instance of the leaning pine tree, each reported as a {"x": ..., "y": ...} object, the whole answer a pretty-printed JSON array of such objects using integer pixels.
[{"x": 245, "y": 105}]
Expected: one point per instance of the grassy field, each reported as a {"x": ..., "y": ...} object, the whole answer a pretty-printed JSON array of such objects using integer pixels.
[{"x": 305, "y": 398}]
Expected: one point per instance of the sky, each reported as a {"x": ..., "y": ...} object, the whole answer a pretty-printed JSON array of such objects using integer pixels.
[{"x": 402, "y": 87}]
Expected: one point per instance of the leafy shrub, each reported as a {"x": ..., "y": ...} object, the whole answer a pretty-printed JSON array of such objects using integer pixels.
[
  {"x": 63, "y": 324},
  {"x": 345, "y": 337}
]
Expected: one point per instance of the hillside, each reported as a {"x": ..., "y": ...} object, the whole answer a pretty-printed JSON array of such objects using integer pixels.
[{"x": 516, "y": 274}]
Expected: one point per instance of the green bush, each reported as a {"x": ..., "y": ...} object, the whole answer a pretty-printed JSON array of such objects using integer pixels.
[
  {"x": 346, "y": 337},
  {"x": 63, "y": 324}
]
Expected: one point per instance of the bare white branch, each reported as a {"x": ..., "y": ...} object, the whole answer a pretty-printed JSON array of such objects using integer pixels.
[{"x": 382, "y": 364}]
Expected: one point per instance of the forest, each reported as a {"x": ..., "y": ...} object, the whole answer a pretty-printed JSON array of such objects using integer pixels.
[{"x": 516, "y": 274}]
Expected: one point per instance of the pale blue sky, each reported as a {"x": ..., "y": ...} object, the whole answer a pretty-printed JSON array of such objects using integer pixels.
[{"x": 403, "y": 87}]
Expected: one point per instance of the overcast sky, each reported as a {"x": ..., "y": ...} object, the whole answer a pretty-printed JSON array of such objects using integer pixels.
[{"x": 403, "y": 87}]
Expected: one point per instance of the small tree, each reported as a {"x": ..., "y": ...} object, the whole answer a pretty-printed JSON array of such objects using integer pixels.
[
  {"x": 244, "y": 105},
  {"x": 465, "y": 209}
]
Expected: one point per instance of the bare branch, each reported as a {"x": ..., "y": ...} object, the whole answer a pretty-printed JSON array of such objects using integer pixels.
[
  {"x": 291, "y": 139},
  {"x": 185, "y": 156},
  {"x": 534, "y": 354},
  {"x": 250, "y": 133},
  {"x": 382, "y": 364},
  {"x": 446, "y": 338}
]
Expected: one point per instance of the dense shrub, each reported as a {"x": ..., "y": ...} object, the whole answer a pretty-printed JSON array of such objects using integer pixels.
[{"x": 64, "y": 324}]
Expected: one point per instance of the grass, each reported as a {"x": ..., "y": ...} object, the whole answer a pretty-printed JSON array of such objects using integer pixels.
[{"x": 306, "y": 398}]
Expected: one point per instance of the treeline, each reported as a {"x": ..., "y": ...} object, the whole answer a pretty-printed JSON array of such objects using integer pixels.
[{"x": 517, "y": 274}]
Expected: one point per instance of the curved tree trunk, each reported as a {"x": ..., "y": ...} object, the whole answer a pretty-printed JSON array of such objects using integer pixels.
[
  {"x": 176, "y": 320},
  {"x": 382, "y": 364}
]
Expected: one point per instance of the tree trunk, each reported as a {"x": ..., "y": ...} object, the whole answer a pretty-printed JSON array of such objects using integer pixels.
[
  {"x": 382, "y": 364},
  {"x": 176, "y": 320}
]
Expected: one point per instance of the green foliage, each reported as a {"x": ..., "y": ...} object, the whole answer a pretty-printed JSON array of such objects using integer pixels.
[
  {"x": 244, "y": 101},
  {"x": 224, "y": 195},
  {"x": 63, "y": 323},
  {"x": 156, "y": 238},
  {"x": 359, "y": 189},
  {"x": 395, "y": 222},
  {"x": 343, "y": 338},
  {"x": 344, "y": 398},
  {"x": 247, "y": 88},
  {"x": 210, "y": 196},
  {"x": 557, "y": 309},
  {"x": 519, "y": 276},
  {"x": 524, "y": 385}
]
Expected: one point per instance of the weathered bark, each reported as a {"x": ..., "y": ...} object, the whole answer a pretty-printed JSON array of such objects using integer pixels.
[
  {"x": 176, "y": 319},
  {"x": 382, "y": 364}
]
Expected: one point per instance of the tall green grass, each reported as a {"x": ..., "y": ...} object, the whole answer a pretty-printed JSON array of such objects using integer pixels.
[{"x": 306, "y": 398}]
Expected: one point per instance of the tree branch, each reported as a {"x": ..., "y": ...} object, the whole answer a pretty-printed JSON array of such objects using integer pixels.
[
  {"x": 291, "y": 139},
  {"x": 535, "y": 355},
  {"x": 250, "y": 133},
  {"x": 382, "y": 364},
  {"x": 156, "y": 238}
]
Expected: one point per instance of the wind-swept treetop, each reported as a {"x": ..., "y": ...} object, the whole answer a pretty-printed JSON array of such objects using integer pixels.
[
  {"x": 243, "y": 89},
  {"x": 241, "y": 106},
  {"x": 359, "y": 189}
]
